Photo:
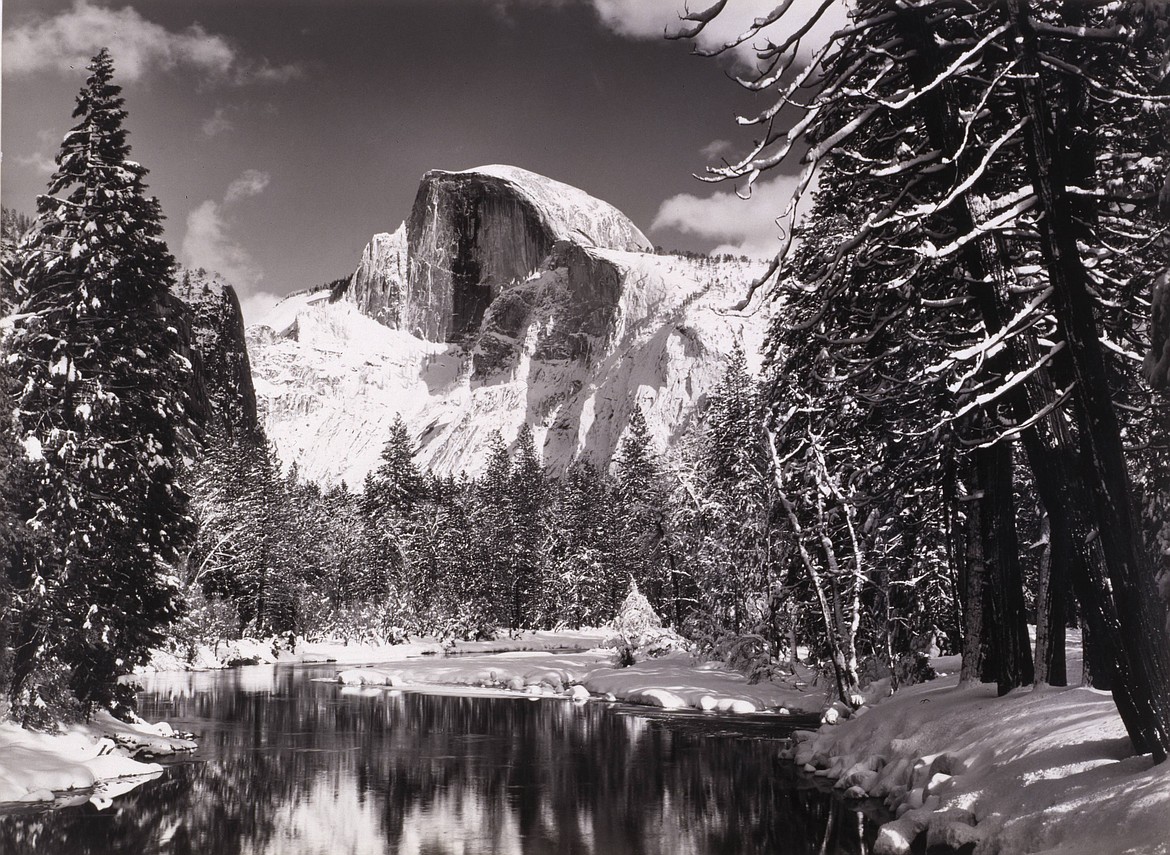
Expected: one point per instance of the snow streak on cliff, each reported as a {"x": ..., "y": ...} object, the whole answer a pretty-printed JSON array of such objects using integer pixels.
[{"x": 505, "y": 299}]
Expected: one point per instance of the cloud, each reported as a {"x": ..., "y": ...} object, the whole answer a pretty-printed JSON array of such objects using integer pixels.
[
  {"x": 649, "y": 19},
  {"x": 67, "y": 41},
  {"x": 251, "y": 183},
  {"x": 741, "y": 226},
  {"x": 208, "y": 242},
  {"x": 38, "y": 160},
  {"x": 715, "y": 148},
  {"x": 256, "y": 305},
  {"x": 217, "y": 123}
]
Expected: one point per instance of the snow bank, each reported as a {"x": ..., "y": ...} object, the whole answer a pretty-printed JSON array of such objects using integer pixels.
[
  {"x": 271, "y": 651},
  {"x": 89, "y": 762},
  {"x": 1041, "y": 771},
  {"x": 674, "y": 681}
]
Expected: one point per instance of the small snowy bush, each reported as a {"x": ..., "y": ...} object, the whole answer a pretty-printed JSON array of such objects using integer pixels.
[
  {"x": 636, "y": 617},
  {"x": 639, "y": 633}
]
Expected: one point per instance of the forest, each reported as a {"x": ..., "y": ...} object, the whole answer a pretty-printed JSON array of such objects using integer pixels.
[{"x": 961, "y": 427}]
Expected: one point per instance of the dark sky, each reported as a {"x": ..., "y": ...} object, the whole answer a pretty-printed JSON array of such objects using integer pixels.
[{"x": 281, "y": 134}]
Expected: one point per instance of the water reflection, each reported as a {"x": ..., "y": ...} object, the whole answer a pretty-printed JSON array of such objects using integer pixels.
[{"x": 287, "y": 765}]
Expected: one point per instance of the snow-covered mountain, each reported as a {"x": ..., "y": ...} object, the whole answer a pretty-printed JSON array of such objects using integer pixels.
[{"x": 506, "y": 298}]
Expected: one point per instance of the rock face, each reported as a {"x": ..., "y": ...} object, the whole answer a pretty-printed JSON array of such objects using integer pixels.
[
  {"x": 473, "y": 233},
  {"x": 507, "y": 299},
  {"x": 225, "y": 393},
  {"x": 379, "y": 287}
]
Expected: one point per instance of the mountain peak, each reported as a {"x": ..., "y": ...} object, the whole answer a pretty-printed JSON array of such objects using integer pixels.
[
  {"x": 568, "y": 212},
  {"x": 506, "y": 299}
]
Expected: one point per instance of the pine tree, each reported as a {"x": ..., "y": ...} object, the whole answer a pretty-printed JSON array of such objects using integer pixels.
[
  {"x": 583, "y": 555},
  {"x": 392, "y": 503},
  {"x": 103, "y": 415},
  {"x": 494, "y": 528},
  {"x": 642, "y": 502},
  {"x": 988, "y": 159},
  {"x": 398, "y": 484},
  {"x": 528, "y": 499}
]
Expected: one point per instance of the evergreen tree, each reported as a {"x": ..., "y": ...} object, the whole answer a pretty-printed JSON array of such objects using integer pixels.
[
  {"x": 494, "y": 531},
  {"x": 642, "y": 506},
  {"x": 987, "y": 159},
  {"x": 583, "y": 555},
  {"x": 103, "y": 415},
  {"x": 528, "y": 500},
  {"x": 392, "y": 503},
  {"x": 397, "y": 482}
]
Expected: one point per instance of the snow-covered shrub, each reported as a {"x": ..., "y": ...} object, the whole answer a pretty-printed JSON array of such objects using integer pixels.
[
  {"x": 208, "y": 619},
  {"x": 749, "y": 652},
  {"x": 638, "y": 631},
  {"x": 636, "y": 617},
  {"x": 464, "y": 625}
]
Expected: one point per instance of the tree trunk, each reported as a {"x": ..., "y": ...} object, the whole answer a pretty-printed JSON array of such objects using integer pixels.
[
  {"x": 1143, "y": 665},
  {"x": 1051, "y": 601},
  {"x": 1012, "y": 660},
  {"x": 972, "y": 593}
]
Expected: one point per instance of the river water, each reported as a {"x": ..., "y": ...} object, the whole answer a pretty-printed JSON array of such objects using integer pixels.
[{"x": 292, "y": 764}]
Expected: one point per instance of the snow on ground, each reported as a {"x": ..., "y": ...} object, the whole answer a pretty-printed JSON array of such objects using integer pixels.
[
  {"x": 87, "y": 762},
  {"x": 674, "y": 681},
  {"x": 270, "y": 651},
  {"x": 576, "y": 663},
  {"x": 1042, "y": 770}
]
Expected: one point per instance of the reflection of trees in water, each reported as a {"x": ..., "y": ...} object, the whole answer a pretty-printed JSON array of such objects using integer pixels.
[{"x": 476, "y": 774}]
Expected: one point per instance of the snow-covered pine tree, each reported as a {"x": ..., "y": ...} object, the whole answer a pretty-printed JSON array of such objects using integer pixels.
[
  {"x": 528, "y": 499},
  {"x": 642, "y": 500},
  {"x": 391, "y": 503},
  {"x": 493, "y": 527},
  {"x": 13, "y": 226},
  {"x": 103, "y": 415},
  {"x": 725, "y": 508}
]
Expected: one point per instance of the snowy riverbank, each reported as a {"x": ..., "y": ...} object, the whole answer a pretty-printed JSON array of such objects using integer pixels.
[
  {"x": 271, "y": 651},
  {"x": 1041, "y": 770},
  {"x": 91, "y": 762},
  {"x": 674, "y": 681},
  {"x": 1038, "y": 771}
]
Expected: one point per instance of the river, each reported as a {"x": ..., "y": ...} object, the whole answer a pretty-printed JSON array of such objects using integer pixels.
[{"x": 291, "y": 763}]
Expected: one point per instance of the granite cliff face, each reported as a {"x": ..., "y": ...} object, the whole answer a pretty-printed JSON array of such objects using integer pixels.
[
  {"x": 378, "y": 288},
  {"x": 470, "y": 235},
  {"x": 506, "y": 298},
  {"x": 210, "y": 312}
]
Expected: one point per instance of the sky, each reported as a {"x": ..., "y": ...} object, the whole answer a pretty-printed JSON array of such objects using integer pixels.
[{"x": 281, "y": 134}]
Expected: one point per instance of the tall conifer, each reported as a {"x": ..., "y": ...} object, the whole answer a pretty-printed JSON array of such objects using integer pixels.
[{"x": 102, "y": 412}]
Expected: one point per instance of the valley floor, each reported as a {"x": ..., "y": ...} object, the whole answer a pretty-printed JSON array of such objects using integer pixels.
[{"x": 1045, "y": 770}]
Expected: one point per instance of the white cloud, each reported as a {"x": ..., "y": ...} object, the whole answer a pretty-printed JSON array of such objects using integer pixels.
[
  {"x": 251, "y": 183},
  {"x": 742, "y": 226},
  {"x": 67, "y": 41},
  {"x": 209, "y": 243},
  {"x": 256, "y": 305},
  {"x": 217, "y": 123},
  {"x": 715, "y": 148},
  {"x": 650, "y": 19},
  {"x": 38, "y": 160}
]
